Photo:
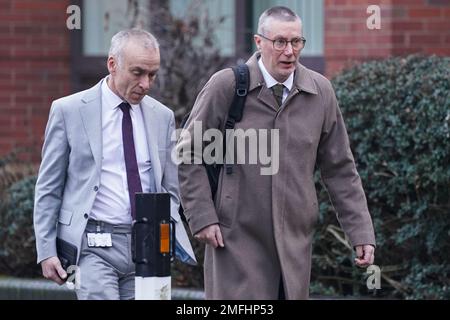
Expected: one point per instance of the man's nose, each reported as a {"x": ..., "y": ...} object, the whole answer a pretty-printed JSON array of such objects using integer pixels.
[
  {"x": 288, "y": 50},
  {"x": 145, "y": 83}
]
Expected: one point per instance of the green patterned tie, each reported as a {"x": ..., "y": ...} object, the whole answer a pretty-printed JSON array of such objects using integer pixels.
[{"x": 278, "y": 93}]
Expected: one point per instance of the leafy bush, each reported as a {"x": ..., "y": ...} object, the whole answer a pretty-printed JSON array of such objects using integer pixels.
[
  {"x": 397, "y": 113},
  {"x": 18, "y": 246},
  {"x": 13, "y": 168}
]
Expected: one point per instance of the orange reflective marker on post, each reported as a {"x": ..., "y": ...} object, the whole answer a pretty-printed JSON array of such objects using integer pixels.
[{"x": 164, "y": 237}]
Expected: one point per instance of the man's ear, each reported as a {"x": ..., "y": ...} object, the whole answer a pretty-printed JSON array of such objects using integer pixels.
[
  {"x": 257, "y": 41},
  {"x": 111, "y": 64}
]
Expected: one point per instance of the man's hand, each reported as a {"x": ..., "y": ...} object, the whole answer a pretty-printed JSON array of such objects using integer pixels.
[
  {"x": 211, "y": 235},
  {"x": 52, "y": 269},
  {"x": 364, "y": 255}
]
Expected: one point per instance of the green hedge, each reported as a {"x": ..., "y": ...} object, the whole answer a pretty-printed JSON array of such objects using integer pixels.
[
  {"x": 397, "y": 113},
  {"x": 18, "y": 244}
]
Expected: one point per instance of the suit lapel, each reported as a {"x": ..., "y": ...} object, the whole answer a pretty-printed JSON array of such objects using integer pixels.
[
  {"x": 151, "y": 128},
  {"x": 91, "y": 115}
]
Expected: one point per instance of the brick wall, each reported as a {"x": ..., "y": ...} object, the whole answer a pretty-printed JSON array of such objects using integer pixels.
[
  {"x": 407, "y": 26},
  {"x": 422, "y": 26},
  {"x": 34, "y": 69}
]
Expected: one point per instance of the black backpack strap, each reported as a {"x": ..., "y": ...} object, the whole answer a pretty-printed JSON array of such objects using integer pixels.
[
  {"x": 242, "y": 83},
  {"x": 236, "y": 111}
]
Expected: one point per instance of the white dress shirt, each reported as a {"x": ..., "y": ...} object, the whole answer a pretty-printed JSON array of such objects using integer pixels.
[
  {"x": 112, "y": 203},
  {"x": 270, "y": 81}
]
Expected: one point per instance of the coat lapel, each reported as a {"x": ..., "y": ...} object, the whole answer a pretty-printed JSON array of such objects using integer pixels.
[
  {"x": 151, "y": 128},
  {"x": 266, "y": 96},
  {"x": 91, "y": 115},
  {"x": 257, "y": 80},
  {"x": 303, "y": 80}
]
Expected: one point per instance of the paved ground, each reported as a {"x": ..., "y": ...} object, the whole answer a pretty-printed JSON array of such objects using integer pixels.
[{"x": 35, "y": 289}]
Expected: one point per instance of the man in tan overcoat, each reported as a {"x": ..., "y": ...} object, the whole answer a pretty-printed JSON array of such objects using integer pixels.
[{"x": 259, "y": 227}]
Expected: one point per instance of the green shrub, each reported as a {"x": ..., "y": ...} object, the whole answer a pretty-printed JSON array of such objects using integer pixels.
[
  {"x": 13, "y": 168},
  {"x": 397, "y": 113},
  {"x": 18, "y": 251}
]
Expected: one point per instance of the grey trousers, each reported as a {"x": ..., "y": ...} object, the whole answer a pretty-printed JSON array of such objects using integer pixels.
[{"x": 107, "y": 273}]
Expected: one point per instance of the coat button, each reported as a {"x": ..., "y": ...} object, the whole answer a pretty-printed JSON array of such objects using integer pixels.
[
  {"x": 86, "y": 216},
  {"x": 95, "y": 188}
]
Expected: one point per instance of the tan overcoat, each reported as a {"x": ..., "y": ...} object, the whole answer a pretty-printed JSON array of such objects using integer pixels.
[{"x": 267, "y": 221}]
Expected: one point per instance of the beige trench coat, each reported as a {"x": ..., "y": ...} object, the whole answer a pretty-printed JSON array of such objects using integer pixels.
[{"x": 267, "y": 221}]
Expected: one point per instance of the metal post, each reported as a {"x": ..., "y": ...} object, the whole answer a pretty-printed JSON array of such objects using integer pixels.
[{"x": 153, "y": 243}]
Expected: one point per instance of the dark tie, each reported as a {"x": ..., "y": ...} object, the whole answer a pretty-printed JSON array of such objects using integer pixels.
[
  {"x": 278, "y": 93},
  {"x": 133, "y": 178}
]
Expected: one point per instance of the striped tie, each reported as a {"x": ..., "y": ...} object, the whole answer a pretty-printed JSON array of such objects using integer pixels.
[{"x": 278, "y": 93}]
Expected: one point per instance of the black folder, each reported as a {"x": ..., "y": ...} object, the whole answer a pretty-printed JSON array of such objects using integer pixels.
[{"x": 67, "y": 253}]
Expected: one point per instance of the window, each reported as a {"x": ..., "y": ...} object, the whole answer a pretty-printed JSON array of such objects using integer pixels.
[{"x": 104, "y": 18}]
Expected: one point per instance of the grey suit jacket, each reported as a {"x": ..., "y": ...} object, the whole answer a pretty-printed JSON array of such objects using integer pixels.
[{"x": 71, "y": 166}]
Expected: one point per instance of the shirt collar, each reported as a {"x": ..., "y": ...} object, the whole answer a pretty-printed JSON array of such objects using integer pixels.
[
  {"x": 113, "y": 100},
  {"x": 270, "y": 81}
]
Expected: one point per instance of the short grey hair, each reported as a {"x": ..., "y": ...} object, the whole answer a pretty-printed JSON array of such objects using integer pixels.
[
  {"x": 121, "y": 38},
  {"x": 278, "y": 13}
]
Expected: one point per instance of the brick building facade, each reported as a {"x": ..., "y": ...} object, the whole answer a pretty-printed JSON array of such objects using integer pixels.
[
  {"x": 37, "y": 61},
  {"x": 34, "y": 69},
  {"x": 407, "y": 26}
]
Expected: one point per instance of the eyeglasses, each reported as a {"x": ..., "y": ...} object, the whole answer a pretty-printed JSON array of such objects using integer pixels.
[{"x": 280, "y": 43}]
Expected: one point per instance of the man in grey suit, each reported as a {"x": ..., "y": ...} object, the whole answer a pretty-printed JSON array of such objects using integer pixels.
[{"x": 102, "y": 146}]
